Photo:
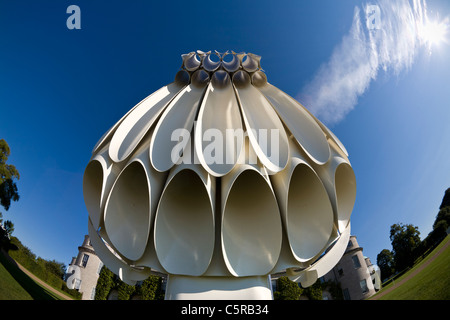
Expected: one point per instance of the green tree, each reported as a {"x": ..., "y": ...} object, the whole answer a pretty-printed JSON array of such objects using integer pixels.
[
  {"x": 105, "y": 283},
  {"x": 125, "y": 291},
  {"x": 9, "y": 227},
  {"x": 385, "y": 261},
  {"x": 443, "y": 215},
  {"x": 8, "y": 175},
  {"x": 287, "y": 290},
  {"x": 405, "y": 239},
  {"x": 151, "y": 288},
  {"x": 445, "y": 199},
  {"x": 314, "y": 292},
  {"x": 54, "y": 267}
]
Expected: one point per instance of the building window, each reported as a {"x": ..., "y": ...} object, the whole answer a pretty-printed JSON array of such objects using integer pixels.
[
  {"x": 77, "y": 284},
  {"x": 350, "y": 244},
  {"x": 85, "y": 260},
  {"x": 93, "y": 293},
  {"x": 346, "y": 294},
  {"x": 356, "y": 262},
  {"x": 363, "y": 284}
]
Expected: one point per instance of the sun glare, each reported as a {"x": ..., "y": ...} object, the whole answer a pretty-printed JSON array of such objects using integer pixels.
[{"x": 435, "y": 32}]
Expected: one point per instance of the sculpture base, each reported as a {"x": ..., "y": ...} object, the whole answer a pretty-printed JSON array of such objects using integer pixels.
[{"x": 218, "y": 288}]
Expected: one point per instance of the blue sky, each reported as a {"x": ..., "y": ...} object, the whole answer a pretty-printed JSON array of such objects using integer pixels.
[{"x": 61, "y": 89}]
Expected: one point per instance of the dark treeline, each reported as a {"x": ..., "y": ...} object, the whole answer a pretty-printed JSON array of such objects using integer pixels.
[{"x": 406, "y": 244}]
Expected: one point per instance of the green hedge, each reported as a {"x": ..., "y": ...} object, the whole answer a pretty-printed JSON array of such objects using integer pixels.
[
  {"x": 290, "y": 290},
  {"x": 149, "y": 289},
  {"x": 28, "y": 260}
]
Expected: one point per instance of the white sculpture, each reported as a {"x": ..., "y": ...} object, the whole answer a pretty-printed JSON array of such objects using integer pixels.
[{"x": 219, "y": 179}]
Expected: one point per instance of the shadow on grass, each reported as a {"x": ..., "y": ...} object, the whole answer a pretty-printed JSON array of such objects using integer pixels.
[{"x": 35, "y": 290}]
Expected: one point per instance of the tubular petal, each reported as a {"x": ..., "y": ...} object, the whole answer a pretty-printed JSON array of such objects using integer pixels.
[
  {"x": 219, "y": 118},
  {"x": 251, "y": 225},
  {"x": 135, "y": 126},
  {"x": 184, "y": 225},
  {"x": 265, "y": 130},
  {"x": 339, "y": 179},
  {"x": 179, "y": 115},
  {"x": 305, "y": 207},
  {"x": 307, "y": 132},
  {"x": 98, "y": 178},
  {"x": 116, "y": 265}
]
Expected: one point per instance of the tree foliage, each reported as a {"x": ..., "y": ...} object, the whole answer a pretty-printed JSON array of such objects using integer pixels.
[
  {"x": 8, "y": 173},
  {"x": 405, "y": 239},
  {"x": 105, "y": 283},
  {"x": 445, "y": 199},
  {"x": 287, "y": 290},
  {"x": 290, "y": 290},
  {"x": 149, "y": 289},
  {"x": 385, "y": 261},
  {"x": 442, "y": 216}
]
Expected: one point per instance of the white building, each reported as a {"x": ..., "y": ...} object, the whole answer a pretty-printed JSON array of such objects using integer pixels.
[
  {"x": 82, "y": 273},
  {"x": 359, "y": 279}
]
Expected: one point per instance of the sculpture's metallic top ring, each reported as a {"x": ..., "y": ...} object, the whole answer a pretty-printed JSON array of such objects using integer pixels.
[{"x": 200, "y": 67}]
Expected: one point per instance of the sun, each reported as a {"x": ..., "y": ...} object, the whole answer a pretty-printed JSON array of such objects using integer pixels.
[{"x": 435, "y": 32}]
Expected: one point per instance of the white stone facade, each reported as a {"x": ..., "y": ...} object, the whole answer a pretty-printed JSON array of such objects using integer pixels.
[
  {"x": 83, "y": 272},
  {"x": 355, "y": 273}
]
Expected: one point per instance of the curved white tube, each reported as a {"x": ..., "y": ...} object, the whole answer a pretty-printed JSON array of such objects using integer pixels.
[
  {"x": 132, "y": 203},
  {"x": 232, "y": 65},
  {"x": 265, "y": 129},
  {"x": 219, "y": 125},
  {"x": 251, "y": 225},
  {"x": 108, "y": 134},
  {"x": 305, "y": 130},
  {"x": 250, "y": 62},
  {"x": 322, "y": 266},
  {"x": 134, "y": 127},
  {"x": 98, "y": 179},
  {"x": 339, "y": 179},
  {"x": 149, "y": 259},
  {"x": 329, "y": 260},
  {"x": 286, "y": 259},
  {"x": 328, "y": 132},
  {"x": 184, "y": 222},
  {"x": 210, "y": 65},
  {"x": 114, "y": 263},
  {"x": 179, "y": 115},
  {"x": 191, "y": 61},
  {"x": 305, "y": 207}
]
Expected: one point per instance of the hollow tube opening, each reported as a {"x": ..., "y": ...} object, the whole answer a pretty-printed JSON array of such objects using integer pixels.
[
  {"x": 127, "y": 212},
  {"x": 309, "y": 214},
  {"x": 184, "y": 226},
  {"x": 345, "y": 184},
  {"x": 92, "y": 189},
  {"x": 251, "y": 226}
]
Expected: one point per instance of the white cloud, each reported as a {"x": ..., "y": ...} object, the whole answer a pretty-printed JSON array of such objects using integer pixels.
[{"x": 388, "y": 41}]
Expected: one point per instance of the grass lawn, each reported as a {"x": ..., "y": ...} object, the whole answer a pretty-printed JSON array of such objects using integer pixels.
[
  {"x": 16, "y": 285},
  {"x": 10, "y": 289},
  {"x": 431, "y": 283}
]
